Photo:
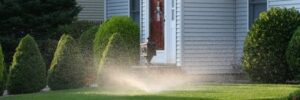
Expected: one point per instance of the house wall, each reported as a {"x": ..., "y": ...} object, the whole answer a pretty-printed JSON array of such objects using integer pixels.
[
  {"x": 117, "y": 8},
  {"x": 208, "y": 36},
  {"x": 241, "y": 27},
  {"x": 92, "y": 10},
  {"x": 178, "y": 32},
  {"x": 284, "y": 3},
  {"x": 144, "y": 21}
]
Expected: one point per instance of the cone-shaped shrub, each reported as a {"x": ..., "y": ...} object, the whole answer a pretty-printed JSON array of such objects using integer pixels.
[
  {"x": 293, "y": 54},
  {"x": 265, "y": 46},
  {"x": 66, "y": 71},
  {"x": 28, "y": 70},
  {"x": 2, "y": 66},
  {"x": 123, "y": 49},
  {"x": 86, "y": 46}
]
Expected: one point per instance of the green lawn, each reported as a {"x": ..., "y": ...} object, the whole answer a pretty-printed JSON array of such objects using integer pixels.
[{"x": 199, "y": 92}]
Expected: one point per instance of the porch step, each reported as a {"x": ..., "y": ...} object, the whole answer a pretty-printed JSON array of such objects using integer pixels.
[
  {"x": 199, "y": 74},
  {"x": 205, "y": 71},
  {"x": 220, "y": 78},
  {"x": 218, "y": 74}
]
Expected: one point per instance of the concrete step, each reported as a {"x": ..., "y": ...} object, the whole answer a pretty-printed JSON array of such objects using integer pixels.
[{"x": 199, "y": 74}]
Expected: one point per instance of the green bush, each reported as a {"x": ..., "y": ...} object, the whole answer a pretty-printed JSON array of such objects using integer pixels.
[
  {"x": 265, "y": 46},
  {"x": 293, "y": 54},
  {"x": 124, "y": 46},
  {"x": 2, "y": 66},
  {"x": 66, "y": 71},
  {"x": 294, "y": 96},
  {"x": 86, "y": 46},
  {"x": 28, "y": 70}
]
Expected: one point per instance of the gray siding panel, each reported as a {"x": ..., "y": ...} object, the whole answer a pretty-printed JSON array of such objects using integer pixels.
[
  {"x": 208, "y": 35},
  {"x": 284, "y": 3},
  {"x": 178, "y": 33},
  {"x": 117, "y": 8},
  {"x": 143, "y": 21},
  {"x": 241, "y": 27},
  {"x": 93, "y": 10}
]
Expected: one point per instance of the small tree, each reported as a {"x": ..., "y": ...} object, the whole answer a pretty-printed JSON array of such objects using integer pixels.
[
  {"x": 119, "y": 36},
  {"x": 2, "y": 66},
  {"x": 293, "y": 54},
  {"x": 28, "y": 70},
  {"x": 86, "y": 46},
  {"x": 265, "y": 46},
  {"x": 66, "y": 71}
]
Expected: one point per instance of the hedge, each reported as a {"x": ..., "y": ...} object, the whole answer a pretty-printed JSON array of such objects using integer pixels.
[
  {"x": 86, "y": 47},
  {"x": 66, "y": 71},
  {"x": 28, "y": 70},
  {"x": 265, "y": 46},
  {"x": 124, "y": 50}
]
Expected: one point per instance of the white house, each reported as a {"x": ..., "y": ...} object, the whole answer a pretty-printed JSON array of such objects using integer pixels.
[{"x": 199, "y": 36}]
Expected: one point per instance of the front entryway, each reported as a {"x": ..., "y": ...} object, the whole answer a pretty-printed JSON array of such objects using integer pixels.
[
  {"x": 157, "y": 23},
  {"x": 160, "y": 22}
]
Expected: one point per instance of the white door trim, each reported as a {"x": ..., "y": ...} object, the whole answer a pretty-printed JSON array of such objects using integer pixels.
[{"x": 168, "y": 55}]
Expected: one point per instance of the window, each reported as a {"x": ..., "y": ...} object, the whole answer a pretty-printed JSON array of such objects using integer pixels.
[
  {"x": 255, "y": 8},
  {"x": 135, "y": 10}
]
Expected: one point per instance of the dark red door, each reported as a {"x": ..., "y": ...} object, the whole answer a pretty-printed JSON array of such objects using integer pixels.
[{"x": 157, "y": 23}]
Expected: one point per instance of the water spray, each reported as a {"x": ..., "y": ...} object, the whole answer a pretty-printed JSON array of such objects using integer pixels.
[
  {"x": 148, "y": 78},
  {"x": 148, "y": 50}
]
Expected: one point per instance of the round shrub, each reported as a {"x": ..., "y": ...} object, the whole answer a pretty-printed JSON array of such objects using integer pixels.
[
  {"x": 2, "y": 66},
  {"x": 124, "y": 47},
  {"x": 265, "y": 46},
  {"x": 293, "y": 54},
  {"x": 28, "y": 70},
  {"x": 66, "y": 71},
  {"x": 86, "y": 47}
]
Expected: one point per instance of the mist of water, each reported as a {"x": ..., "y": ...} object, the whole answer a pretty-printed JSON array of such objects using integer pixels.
[{"x": 148, "y": 80}]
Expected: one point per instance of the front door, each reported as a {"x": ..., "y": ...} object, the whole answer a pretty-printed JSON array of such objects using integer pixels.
[
  {"x": 160, "y": 31},
  {"x": 157, "y": 23}
]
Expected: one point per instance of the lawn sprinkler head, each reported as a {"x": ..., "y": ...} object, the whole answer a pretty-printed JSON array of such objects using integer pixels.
[{"x": 148, "y": 50}]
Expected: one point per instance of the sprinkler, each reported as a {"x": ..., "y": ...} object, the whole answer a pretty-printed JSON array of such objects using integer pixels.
[{"x": 148, "y": 50}]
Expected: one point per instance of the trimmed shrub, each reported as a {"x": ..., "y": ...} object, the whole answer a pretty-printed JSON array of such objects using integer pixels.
[
  {"x": 2, "y": 66},
  {"x": 86, "y": 46},
  {"x": 66, "y": 71},
  {"x": 28, "y": 70},
  {"x": 293, "y": 54},
  {"x": 124, "y": 49},
  {"x": 265, "y": 46}
]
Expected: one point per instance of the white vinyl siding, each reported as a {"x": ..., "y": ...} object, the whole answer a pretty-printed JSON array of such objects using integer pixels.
[
  {"x": 117, "y": 8},
  {"x": 92, "y": 10},
  {"x": 208, "y": 36},
  {"x": 241, "y": 27},
  {"x": 284, "y": 3},
  {"x": 178, "y": 33},
  {"x": 143, "y": 21}
]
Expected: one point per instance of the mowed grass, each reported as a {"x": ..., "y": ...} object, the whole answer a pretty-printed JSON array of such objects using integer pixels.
[{"x": 199, "y": 92}]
